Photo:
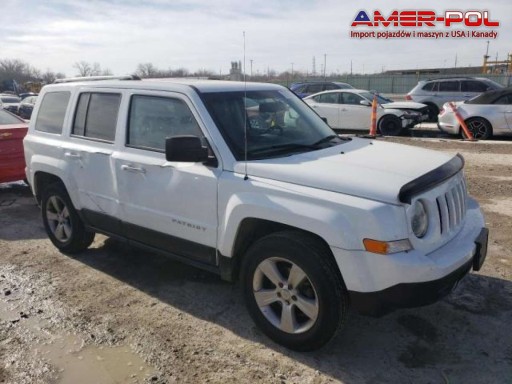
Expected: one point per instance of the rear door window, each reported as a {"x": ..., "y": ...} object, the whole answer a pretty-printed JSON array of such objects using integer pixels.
[
  {"x": 52, "y": 112},
  {"x": 327, "y": 98},
  {"x": 449, "y": 86},
  {"x": 96, "y": 116}
]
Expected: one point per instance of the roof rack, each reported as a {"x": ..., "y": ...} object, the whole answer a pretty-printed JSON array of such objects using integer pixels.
[
  {"x": 451, "y": 77},
  {"x": 96, "y": 78}
]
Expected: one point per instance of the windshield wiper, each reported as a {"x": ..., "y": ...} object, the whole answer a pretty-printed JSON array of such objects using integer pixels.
[{"x": 281, "y": 148}]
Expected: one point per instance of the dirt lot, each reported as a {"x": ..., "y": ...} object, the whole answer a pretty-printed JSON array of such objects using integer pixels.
[{"x": 119, "y": 315}]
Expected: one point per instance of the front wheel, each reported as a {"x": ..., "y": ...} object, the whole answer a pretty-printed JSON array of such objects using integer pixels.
[
  {"x": 390, "y": 125},
  {"x": 61, "y": 221},
  {"x": 293, "y": 290}
]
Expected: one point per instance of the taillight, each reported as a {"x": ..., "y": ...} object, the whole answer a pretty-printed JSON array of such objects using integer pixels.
[{"x": 408, "y": 97}]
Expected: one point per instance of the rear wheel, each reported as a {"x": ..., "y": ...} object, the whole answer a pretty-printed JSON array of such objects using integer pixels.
[
  {"x": 390, "y": 125},
  {"x": 293, "y": 290},
  {"x": 61, "y": 221},
  {"x": 479, "y": 127}
]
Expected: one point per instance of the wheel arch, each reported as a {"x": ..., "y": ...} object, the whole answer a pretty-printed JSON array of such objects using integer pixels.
[
  {"x": 252, "y": 229},
  {"x": 466, "y": 120},
  {"x": 42, "y": 179}
]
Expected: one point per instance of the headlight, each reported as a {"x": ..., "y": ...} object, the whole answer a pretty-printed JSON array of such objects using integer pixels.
[
  {"x": 419, "y": 220},
  {"x": 411, "y": 114}
]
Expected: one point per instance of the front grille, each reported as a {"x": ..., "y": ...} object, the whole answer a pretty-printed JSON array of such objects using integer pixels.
[{"x": 452, "y": 207}]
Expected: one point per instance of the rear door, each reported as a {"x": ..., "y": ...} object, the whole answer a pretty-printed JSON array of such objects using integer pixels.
[
  {"x": 167, "y": 205},
  {"x": 448, "y": 90},
  {"x": 327, "y": 106},
  {"x": 503, "y": 107},
  {"x": 89, "y": 152},
  {"x": 354, "y": 115}
]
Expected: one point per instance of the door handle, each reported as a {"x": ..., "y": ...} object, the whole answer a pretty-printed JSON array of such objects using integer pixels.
[
  {"x": 73, "y": 155},
  {"x": 131, "y": 168}
]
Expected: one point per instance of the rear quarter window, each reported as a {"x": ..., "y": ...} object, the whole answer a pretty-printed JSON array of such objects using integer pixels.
[
  {"x": 52, "y": 111},
  {"x": 429, "y": 86}
]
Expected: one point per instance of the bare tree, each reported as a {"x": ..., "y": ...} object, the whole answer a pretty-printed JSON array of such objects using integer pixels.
[
  {"x": 86, "y": 69},
  {"x": 146, "y": 70}
]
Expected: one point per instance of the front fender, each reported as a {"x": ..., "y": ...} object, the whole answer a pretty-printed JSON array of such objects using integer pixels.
[{"x": 343, "y": 221}]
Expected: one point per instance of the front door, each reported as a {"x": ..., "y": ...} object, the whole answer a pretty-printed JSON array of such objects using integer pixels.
[{"x": 168, "y": 205}]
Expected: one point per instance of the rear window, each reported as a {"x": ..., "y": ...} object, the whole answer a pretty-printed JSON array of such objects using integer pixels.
[
  {"x": 52, "y": 111},
  {"x": 10, "y": 99},
  {"x": 7, "y": 118},
  {"x": 96, "y": 116},
  {"x": 504, "y": 100}
]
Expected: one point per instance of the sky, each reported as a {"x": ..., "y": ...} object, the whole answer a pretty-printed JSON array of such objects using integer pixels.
[{"x": 201, "y": 34}]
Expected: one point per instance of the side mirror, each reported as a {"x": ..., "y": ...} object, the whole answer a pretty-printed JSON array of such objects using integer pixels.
[
  {"x": 365, "y": 102},
  {"x": 324, "y": 119},
  {"x": 186, "y": 149}
]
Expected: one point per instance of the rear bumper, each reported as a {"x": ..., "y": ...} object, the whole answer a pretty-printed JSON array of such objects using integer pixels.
[
  {"x": 452, "y": 128},
  {"x": 408, "y": 295}
]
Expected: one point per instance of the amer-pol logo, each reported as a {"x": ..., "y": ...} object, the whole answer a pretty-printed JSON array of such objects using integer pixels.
[{"x": 475, "y": 24}]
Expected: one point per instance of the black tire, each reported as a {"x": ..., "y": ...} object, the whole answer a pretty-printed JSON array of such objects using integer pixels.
[
  {"x": 479, "y": 127},
  {"x": 320, "y": 292},
  {"x": 433, "y": 112},
  {"x": 390, "y": 125},
  {"x": 61, "y": 221}
]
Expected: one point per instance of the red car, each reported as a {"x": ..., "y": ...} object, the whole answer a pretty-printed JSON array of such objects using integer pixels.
[{"x": 12, "y": 160}]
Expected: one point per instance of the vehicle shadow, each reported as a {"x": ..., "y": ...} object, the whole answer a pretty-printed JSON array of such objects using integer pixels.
[
  {"x": 465, "y": 337},
  {"x": 17, "y": 208}
]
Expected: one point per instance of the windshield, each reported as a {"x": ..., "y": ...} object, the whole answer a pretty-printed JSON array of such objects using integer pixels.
[
  {"x": 278, "y": 123},
  {"x": 381, "y": 100}
]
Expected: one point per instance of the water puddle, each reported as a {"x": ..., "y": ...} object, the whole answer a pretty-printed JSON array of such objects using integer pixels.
[{"x": 75, "y": 362}]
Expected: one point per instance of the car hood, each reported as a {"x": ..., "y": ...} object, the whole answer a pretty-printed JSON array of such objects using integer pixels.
[
  {"x": 364, "y": 168},
  {"x": 404, "y": 105}
]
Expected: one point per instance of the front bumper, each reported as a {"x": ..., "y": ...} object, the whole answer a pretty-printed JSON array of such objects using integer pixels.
[
  {"x": 408, "y": 295},
  {"x": 378, "y": 284}
]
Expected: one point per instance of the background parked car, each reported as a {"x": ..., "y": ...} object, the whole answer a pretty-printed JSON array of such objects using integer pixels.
[
  {"x": 486, "y": 114},
  {"x": 12, "y": 159},
  {"x": 351, "y": 109},
  {"x": 434, "y": 93},
  {"x": 23, "y": 96},
  {"x": 10, "y": 102},
  {"x": 306, "y": 89},
  {"x": 26, "y": 107}
]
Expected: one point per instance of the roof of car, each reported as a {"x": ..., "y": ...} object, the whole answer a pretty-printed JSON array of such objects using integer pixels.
[
  {"x": 172, "y": 84},
  {"x": 490, "y": 96},
  {"x": 350, "y": 90},
  {"x": 456, "y": 78}
]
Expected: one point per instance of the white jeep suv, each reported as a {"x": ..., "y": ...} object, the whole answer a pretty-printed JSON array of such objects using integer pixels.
[{"x": 246, "y": 181}]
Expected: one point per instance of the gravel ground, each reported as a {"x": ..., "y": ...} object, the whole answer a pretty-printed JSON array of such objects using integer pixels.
[{"x": 120, "y": 315}]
